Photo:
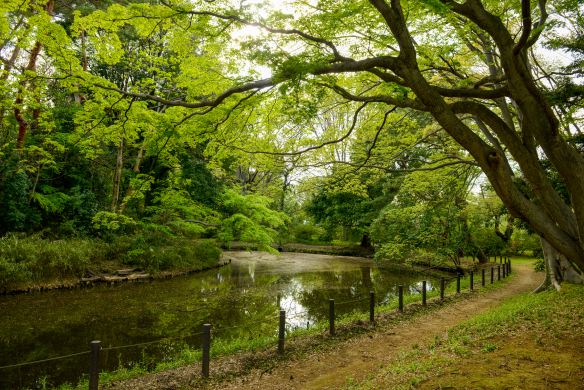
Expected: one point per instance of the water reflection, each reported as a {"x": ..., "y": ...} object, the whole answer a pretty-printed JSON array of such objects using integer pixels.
[{"x": 253, "y": 288}]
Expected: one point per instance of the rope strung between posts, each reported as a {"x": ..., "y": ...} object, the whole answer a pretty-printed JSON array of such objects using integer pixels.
[
  {"x": 153, "y": 342},
  {"x": 46, "y": 360},
  {"x": 325, "y": 307},
  {"x": 296, "y": 315}
]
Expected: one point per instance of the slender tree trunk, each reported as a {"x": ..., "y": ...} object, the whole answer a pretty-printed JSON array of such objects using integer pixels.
[
  {"x": 22, "y": 122},
  {"x": 117, "y": 176},
  {"x": 130, "y": 189},
  {"x": 10, "y": 63},
  {"x": 81, "y": 98},
  {"x": 36, "y": 180}
]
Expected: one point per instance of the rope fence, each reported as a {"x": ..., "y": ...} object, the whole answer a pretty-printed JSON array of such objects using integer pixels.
[{"x": 503, "y": 270}]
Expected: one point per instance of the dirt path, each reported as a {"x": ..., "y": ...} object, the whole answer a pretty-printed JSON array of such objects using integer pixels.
[{"x": 362, "y": 356}]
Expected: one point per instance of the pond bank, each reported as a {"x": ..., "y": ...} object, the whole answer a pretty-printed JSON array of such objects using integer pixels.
[
  {"x": 117, "y": 277},
  {"x": 154, "y": 325},
  {"x": 314, "y": 353},
  {"x": 351, "y": 251}
]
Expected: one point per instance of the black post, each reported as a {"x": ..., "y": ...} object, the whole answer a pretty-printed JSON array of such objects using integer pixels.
[
  {"x": 492, "y": 274},
  {"x": 458, "y": 283},
  {"x": 471, "y": 280},
  {"x": 371, "y": 306},
  {"x": 94, "y": 366},
  {"x": 509, "y": 262},
  {"x": 483, "y": 277},
  {"x": 401, "y": 297},
  {"x": 282, "y": 331},
  {"x": 206, "y": 349},
  {"x": 504, "y": 268},
  {"x": 498, "y": 272},
  {"x": 332, "y": 316},
  {"x": 423, "y": 292},
  {"x": 441, "y": 287}
]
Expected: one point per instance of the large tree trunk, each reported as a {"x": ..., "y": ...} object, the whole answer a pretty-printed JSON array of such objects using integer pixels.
[
  {"x": 481, "y": 256},
  {"x": 557, "y": 268},
  {"x": 560, "y": 225},
  {"x": 365, "y": 241}
]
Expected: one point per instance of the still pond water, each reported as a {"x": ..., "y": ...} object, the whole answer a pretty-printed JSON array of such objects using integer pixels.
[{"x": 252, "y": 288}]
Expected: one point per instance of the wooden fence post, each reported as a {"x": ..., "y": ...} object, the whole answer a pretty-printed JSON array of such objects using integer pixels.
[
  {"x": 206, "y": 349},
  {"x": 282, "y": 331},
  {"x": 94, "y": 366}
]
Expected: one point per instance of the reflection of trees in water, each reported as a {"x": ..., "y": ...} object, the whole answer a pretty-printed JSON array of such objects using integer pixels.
[
  {"x": 366, "y": 277},
  {"x": 66, "y": 322}
]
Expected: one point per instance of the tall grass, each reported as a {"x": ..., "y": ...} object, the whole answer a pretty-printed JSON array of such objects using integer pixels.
[{"x": 33, "y": 260}]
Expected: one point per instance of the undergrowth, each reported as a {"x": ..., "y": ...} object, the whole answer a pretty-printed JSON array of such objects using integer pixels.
[{"x": 32, "y": 260}]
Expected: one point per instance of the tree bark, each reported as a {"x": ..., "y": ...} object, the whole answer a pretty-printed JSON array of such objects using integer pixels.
[
  {"x": 481, "y": 256},
  {"x": 31, "y": 66},
  {"x": 557, "y": 268},
  {"x": 365, "y": 241},
  {"x": 117, "y": 176},
  {"x": 130, "y": 189},
  {"x": 508, "y": 230}
]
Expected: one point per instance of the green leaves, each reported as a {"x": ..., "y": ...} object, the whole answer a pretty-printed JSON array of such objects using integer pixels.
[{"x": 250, "y": 220}]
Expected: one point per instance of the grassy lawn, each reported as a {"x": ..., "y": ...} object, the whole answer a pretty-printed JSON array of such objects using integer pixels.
[{"x": 531, "y": 341}]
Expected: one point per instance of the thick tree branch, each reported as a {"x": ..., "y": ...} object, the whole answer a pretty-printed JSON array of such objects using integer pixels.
[
  {"x": 526, "y": 18},
  {"x": 390, "y": 170},
  {"x": 490, "y": 80},
  {"x": 403, "y": 103},
  {"x": 528, "y": 163},
  {"x": 194, "y": 221}
]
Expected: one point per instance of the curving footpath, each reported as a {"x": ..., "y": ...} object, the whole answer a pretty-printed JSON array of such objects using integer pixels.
[{"x": 363, "y": 355}]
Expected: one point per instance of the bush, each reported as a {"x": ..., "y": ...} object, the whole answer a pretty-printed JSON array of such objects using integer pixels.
[
  {"x": 307, "y": 232},
  {"x": 178, "y": 255},
  {"x": 488, "y": 241},
  {"x": 522, "y": 241}
]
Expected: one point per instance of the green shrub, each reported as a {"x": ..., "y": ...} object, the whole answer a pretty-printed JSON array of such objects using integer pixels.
[
  {"x": 487, "y": 239},
  {"x": 33, "y": 260}
]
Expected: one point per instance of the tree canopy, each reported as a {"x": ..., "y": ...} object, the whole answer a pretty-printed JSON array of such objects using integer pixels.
[{"x": 270, "y": 94}]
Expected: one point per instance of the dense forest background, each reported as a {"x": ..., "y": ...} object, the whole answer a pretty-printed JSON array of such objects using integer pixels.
[{"x": 145, "y": 134}]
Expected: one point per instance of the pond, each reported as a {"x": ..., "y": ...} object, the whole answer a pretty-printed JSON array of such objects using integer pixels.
[{"x": 251, "y": 289}]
